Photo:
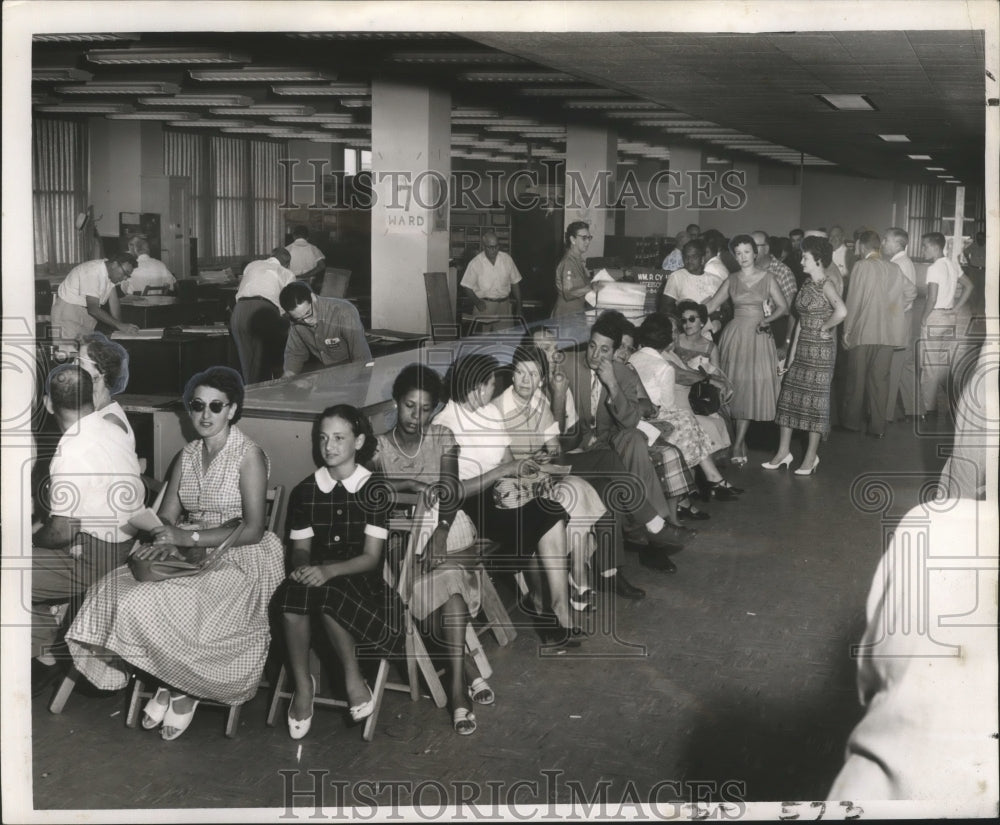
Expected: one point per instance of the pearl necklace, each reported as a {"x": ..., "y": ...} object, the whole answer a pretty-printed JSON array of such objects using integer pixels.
[{"x": 403, "y": 452}]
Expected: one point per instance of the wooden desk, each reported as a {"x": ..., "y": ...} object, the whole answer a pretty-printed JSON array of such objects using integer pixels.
[
  {"x": 156, "y": 311},
  {"x": 278, "y": 415}
]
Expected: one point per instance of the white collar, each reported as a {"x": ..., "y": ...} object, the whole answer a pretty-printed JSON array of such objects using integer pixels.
[
  {"x": 352, "y": 483},
  {"x": 900, "y": 254}
]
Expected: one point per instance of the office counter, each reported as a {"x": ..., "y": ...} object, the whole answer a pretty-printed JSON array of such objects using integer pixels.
[
  {"x": 278, "y": 415},
  {"x": 151, "y": 311}
]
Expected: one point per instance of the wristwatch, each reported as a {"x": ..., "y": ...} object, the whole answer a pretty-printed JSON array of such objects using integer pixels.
[{"x": 195, "y": 536}]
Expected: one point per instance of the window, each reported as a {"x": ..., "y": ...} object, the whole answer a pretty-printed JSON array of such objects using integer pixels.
[
  {"x": 357, "y": 160},
  {"x": 59, "y": 188}
]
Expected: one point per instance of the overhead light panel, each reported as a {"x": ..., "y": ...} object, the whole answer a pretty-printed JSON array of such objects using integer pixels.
[
  {"x": 161, "y": 56},
  {"x": 517, "y": 77},
  {"x": 665, "y": 116},
  {"x": 919, "y": 157},
  {"x": 895, "y": 138},
  {"x": 454, "y": 57},
  {"x": 152, "y": 115},
  {"x": 566, "y": 91},
  {"x": 79, "y": 37},
  {"x": 325, "y": 90},
  {"x": 274, "y": 109},
  {"x": 848, "y": 103},
  {"x": 59, "y": 74},
  {"x": 73, "y": 108},
  {"x": 463, "y": 112},
  {"x": 210, "y": 124},
  {"x": 934, "y": 168},
  {"x": 121, "y": 88},
  {"x": 338, "y": 118},
  {"x": 198, "y": 100},
  {"x": 356, "y": 102},
  {"x": 636, "y": 105},
  {"x": 261, "y": 74}
]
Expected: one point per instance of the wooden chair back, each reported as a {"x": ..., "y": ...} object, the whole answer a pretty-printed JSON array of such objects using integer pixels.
[{"x": 440, "y": 309}]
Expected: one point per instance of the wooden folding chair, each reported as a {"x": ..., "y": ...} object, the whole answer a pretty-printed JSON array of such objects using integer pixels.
[
  {"x": 440, "y": 309},
  {"x": 140, "y": 694}
]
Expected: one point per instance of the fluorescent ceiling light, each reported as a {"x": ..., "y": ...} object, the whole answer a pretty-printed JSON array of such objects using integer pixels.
[
  {"x": 210, "y": 124},
  {"x": 259, "y": 74},
  {"x": 611, "y": 104},
  {"x": 650, "y": 115},
  {"x": 82, "y": 38},
  {"x": 356, "y": 102},
  {"x": 157, "y": 56},
  {"x": 919, "y": 157},
  {"x": 325, "y": 90},
  {"x": 934, "y": 168},
  {"x": 121, "y": 88},
  {"x": 953, "y": 181},
  {"x": 58, "y": 74},
  {"x": 88, "y": 108},
  {"x": 895, "y": 138},
  {"x": 151, "y": 115},
  {"x": 454, "y": 57},
  {"x": 517, "y": 77},
  {"x": 566, "y": 91},
  {"x": 274, "y": 109},
  {"x": 848, "y": 103},
  {"x": 714, "y": 160},
  {"x": 197, "y": 100},
  {"x": 259, "y": 130},
  {"x": 339, "y": 118},
  {"x": 464, "y": 112}
]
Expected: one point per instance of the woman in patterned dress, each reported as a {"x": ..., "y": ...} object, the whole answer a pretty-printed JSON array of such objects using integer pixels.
[
  {"x": 657, "y": 376},
  {"x": 337, "y": 527},
  {"x": 204, "y": 636},
  {"x": 804, "y": 403},
  {"x": 749, "y": 356},
  {"x": 419, "y": 457}
]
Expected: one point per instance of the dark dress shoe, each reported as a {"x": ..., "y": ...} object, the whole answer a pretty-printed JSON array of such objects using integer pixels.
[
  {"x": 694, "y": 515},
  {"x": 675, "y": 534},
  {"x": 44, "y": 676},
  {"x": 620, "y": 586},
  {"x": 656, "y": 559},
  {"x": 560, "y": 638}
]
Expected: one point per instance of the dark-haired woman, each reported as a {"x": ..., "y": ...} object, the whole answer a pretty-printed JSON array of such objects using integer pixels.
[
  {"x": 484, "y": 457},
  {"x": 749, "y": 356},
  {"x": 804, "y": 403},
  {"x": 204, "y": 636},
  {"x": 337, "y": 527},
  {"x": 415, "y": 456},
  {"x": 572, "y": 277}
]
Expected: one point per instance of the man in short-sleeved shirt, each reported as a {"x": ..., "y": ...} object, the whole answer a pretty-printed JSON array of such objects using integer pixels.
[
  {"x": 693, "y": 282},
  {"x": 329, "y": 329},
  {"x": 258, "y": 328},
  {"x": 148, "y": 271},
  {"x": 95, "y": 487},
  {"x": 76, "y": 307},
  {"x": 307, "y": 260},
  {"x": 492, "y": 281}
]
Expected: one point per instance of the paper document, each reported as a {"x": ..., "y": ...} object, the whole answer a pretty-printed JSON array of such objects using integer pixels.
[{"x": 145, "y": 520}]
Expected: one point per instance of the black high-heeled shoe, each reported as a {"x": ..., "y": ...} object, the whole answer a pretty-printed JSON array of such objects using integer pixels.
[
  {"x": 720, "y": 490},
  {"x": 692, "y": 514},
  {"x": 551, "y": 633}
]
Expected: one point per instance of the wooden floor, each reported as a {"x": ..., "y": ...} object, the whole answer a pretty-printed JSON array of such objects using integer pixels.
[{"x": 735, "y": 670}]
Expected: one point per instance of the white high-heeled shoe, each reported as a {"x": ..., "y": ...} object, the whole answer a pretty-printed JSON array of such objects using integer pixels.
[
  {"x": 802, "y": 471},
  {"x": 297, "y": 728},
  {"x": 176, "y": 721},
  {"x": 785, "y": 462}
]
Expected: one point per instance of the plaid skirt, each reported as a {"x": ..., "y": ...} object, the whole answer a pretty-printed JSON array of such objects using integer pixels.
[
  {"x": 364, "y": 606},
  {"x": 675, "y": 476}
]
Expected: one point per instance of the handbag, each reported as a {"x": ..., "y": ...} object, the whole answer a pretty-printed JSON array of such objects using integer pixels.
[
  {"x": 184, "y": 561},
  {"x": 511, "y": 492},
  {"x": 704, "y": 396}
]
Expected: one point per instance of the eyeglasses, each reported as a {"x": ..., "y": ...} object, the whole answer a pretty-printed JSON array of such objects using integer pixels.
[
  {"x": 215, "y": 406},
  {"x": 491, "y": 245},
  {"x": 304, "y": 318},
  {"x": 690, "y": 319},
  {"x": 585, "y": 237}
]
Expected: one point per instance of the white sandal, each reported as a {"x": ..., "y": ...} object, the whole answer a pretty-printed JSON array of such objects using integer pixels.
[
  {"x": 464, "y": 722},
  {"x": 178, "y": 721},
  {"x": 481, "y": 693},
  {"x": 154, "y": 711}
]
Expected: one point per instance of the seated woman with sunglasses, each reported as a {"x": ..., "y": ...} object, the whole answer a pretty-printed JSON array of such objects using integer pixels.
[
  {"x": 484, "y": 457},
  {"x": 204, "y": 636},
  {"x": 655, "y": 336},
  {"x": 419, "y": 457}
]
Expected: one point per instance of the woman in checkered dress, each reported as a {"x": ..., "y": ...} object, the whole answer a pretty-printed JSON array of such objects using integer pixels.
[
  {"x": 204, "y": 636},
  {"x": 337, "y": 527}
]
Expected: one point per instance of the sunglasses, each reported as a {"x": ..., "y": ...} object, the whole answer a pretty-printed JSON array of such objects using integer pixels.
[{"x": 215, "y": 406}]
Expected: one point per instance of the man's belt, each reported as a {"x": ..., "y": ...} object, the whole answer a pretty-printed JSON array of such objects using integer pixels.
[{"x": 496, "y": 300}]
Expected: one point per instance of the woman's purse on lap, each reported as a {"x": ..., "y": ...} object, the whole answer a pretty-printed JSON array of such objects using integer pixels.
[
  {"x": 704, "y": 397},
  {"x": 511, "y": 492},
  {"x": 183, "y": 561}
]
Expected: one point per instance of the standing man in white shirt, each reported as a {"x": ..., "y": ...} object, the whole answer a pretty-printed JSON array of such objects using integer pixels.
[
  {"x": 939, "y": 327},
  {"x": 902, "y": 371},
  {"x": 307, "y": 261},
  {"x": 148, "y": 270},
  {"x": 693, "y": 282},
  {"x": 492, "y": 281},
  {"x": 259, "y": 329},
  {"x": 76, "y": 307},
  {"x": 843, "y": 255}
]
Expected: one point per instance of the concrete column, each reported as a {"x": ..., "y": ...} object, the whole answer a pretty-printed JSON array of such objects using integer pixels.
[
  {"x": 683, "y": 161},
  {"x": 411, "y": 166},
  {"x": 591, "y": 160}
]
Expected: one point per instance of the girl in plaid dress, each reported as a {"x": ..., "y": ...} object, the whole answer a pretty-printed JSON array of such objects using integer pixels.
[
  {"x": 207, "y": 635},
  {"x": 337, "y": 526}
]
